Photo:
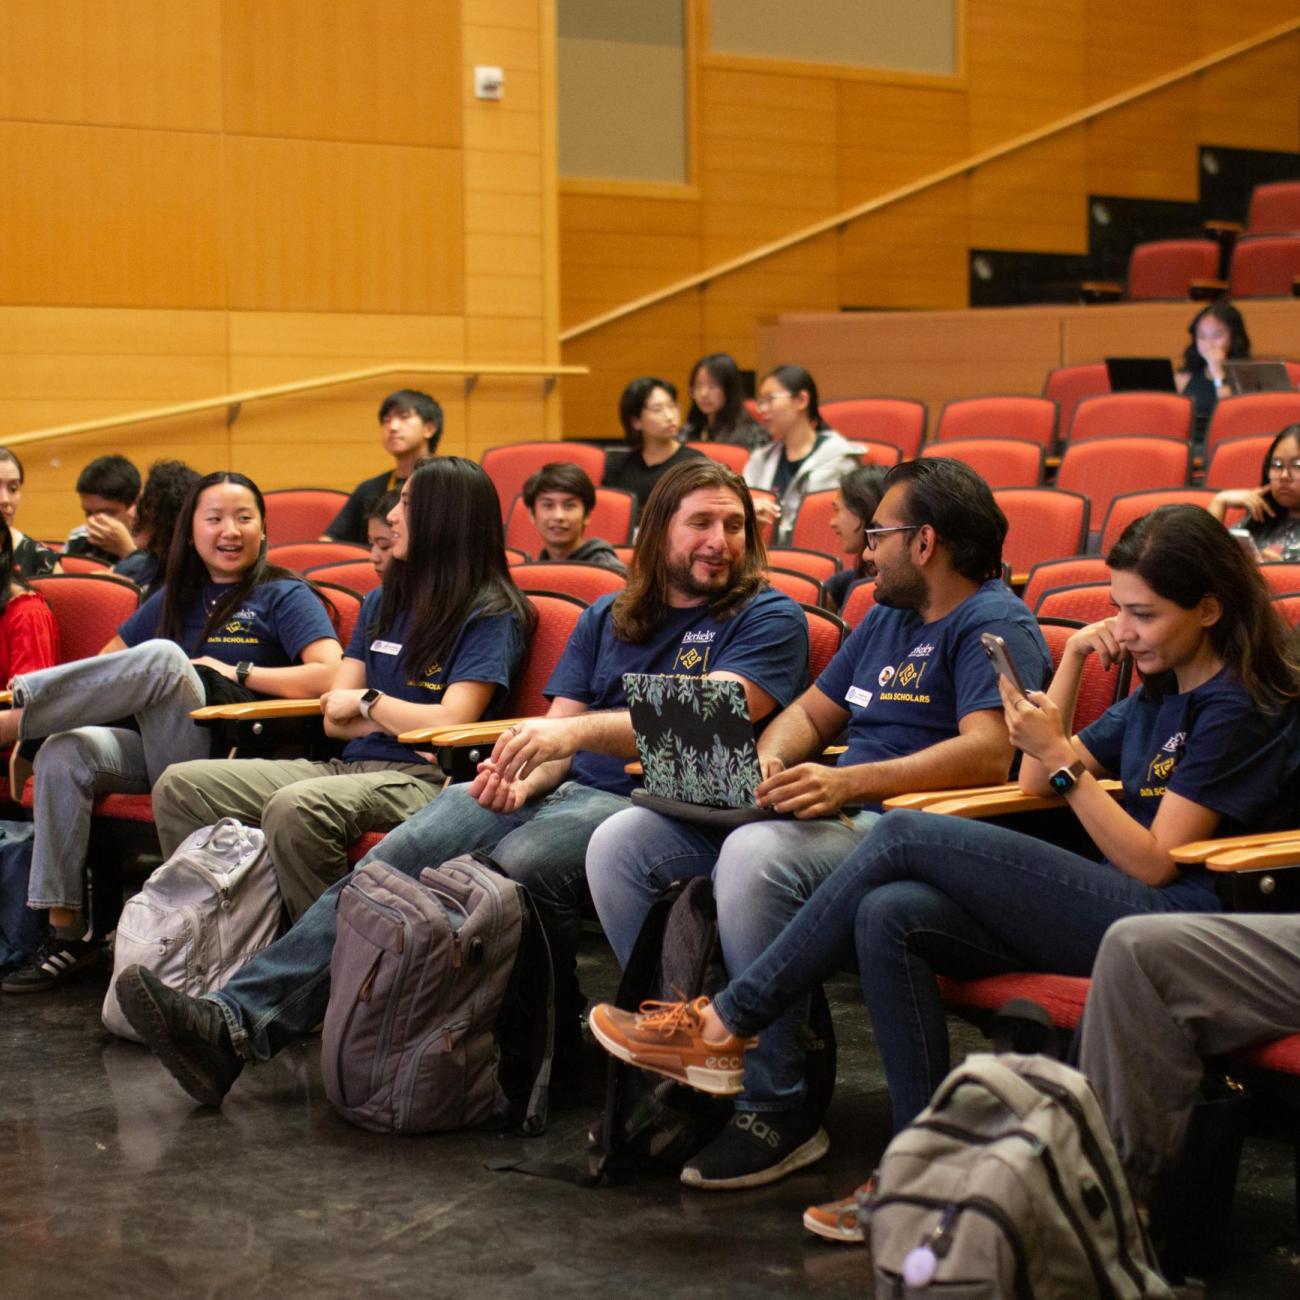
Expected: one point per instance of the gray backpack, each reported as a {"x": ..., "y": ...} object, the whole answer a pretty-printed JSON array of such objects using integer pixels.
[
  {"x": 441, "y": 1013},
  {"x": 1008, "y": 1184},
  {"x": 200, "y": 916}
]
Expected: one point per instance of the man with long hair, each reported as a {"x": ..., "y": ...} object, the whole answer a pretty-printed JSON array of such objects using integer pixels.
[
  {"x": 696, "y": 604},
  {"x": 920, "y": 702}
]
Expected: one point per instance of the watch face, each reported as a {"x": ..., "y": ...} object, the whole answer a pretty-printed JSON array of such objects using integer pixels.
[
  {"x": 1060, "y": 782},
  {"x": 370, "y": 696}
]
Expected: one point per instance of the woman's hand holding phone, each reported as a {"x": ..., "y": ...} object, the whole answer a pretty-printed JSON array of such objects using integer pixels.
[{"x": 1034, "y": 726}]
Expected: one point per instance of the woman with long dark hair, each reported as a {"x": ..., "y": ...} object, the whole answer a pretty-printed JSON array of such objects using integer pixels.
[
  {"x": 718, "y": 411},
  {"x": 166, "y": 489},
  {"x": 225, "y": 622},
  {"x": 856, "y": 500},
  {"x": 806, "y": 454},
  {"x": 30, "y": 557},
  {"x": 1204, "y": 748},
  {"x": 1272, "y": 509},
  {"x": 437, "y": 644},
  {"x": 1218, "y": 334}
]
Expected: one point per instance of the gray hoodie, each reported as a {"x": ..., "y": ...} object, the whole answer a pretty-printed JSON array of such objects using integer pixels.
[{"x": 823, "y": 467}]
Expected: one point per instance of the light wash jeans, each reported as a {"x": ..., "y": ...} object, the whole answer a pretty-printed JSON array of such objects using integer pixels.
[
  {"x": 281, "y": 995},
  {"x": 924, "y": 895},
  {"x": 763, "y": 873},
  {"x": 153, "y": 682}
]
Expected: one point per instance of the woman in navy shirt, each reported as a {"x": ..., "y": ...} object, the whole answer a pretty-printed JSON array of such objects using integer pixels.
[
  {"x": 1202, "y": 749},
  {"x": 440, "y": 643},
  {"x": 223, "y": 612}
]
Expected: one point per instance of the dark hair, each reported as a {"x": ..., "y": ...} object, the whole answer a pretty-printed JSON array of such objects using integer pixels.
[
  {"x": 561, "y": 476},
  {"x": 113, "y": 477},
  {"x": 6, "y": 454},
  {"x": 166, "y": 489},
  {"x": 1184, "y": 554},
  {"x": 861, "y": 490},
  {"x": 187, "y": 574},
  {"x": 410, "y": 401},
  {"x": 1238, "y": 341},
  {"x": 6, "y": 564},
  {"x": 959, "y": 506},
  {"x": 383, "y": 506},
  {"x": 642, "y": 606},
  {"x": 724, "y": 372},
  {"x": 796, "y": 380},
  {"x": 455, "y": 562},
  {"x": 1291, "y": 431},
  {"x": 632, "y": 403}
]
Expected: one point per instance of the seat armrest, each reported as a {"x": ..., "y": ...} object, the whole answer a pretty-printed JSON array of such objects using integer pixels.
[
  {"x": 1198, "y": 851},
  {"x": 1005, "y": 800},
  {"x": 1206, "y": 290},
  {"x": 253, "y": 710},
  {"x": 469, "y": 733},
  {"x": 6, "y": 699},
  {"x": 1094, "y": 291},
  {"x": 921, "y": 799},
  {"x": 1281, "y": 853}
]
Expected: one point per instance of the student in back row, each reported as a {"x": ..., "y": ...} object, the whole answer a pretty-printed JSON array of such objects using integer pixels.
[
  {"x": 561, "y": 497},
  {"x": 437, "y": 645},
  {"x": 649, "y": 415},
  {"x": 410, "y": 426}
]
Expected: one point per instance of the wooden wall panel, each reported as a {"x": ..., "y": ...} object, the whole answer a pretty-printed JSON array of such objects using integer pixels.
[
  {"x": 150, "y": 63},
  {"x": 361, "y": 70},
  {"x": 781, "y": 149},
  {"x": 103, "y": 216},
  {"x": 375, "y": 240}
]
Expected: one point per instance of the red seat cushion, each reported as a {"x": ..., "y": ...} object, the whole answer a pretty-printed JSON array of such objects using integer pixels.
[
  {"x": 359, "y": 848},
  {"x": 125, "y": 807},
  {"x": 1061, "y": 996},
  {"x": 1283, "y": 1055}
]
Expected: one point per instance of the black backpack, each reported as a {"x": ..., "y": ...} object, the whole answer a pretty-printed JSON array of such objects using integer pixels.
[{"x": 652, "y": 1124}]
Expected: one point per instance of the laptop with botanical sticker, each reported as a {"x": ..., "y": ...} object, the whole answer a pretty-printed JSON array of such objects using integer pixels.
[{"x": 698, "y": 754}]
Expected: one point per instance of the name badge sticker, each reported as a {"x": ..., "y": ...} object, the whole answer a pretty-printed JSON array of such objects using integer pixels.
[
  {"x": 856, "y": 695},
  {"x": 386, "y": 647}
]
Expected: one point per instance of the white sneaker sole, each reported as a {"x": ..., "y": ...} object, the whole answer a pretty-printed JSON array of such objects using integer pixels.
[
  {"x": 837, "y": 1232},
  {"x": 716, "y": 1082}
]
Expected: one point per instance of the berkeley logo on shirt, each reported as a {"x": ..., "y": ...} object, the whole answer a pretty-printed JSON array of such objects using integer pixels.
[
  {"x": 693, "y": 655},
  {"x": 908, "y": 678},
  {"x": 1161, "y": 767},
  {"x": 424, "y": 683},
  {"x": 239, "y": 630}
]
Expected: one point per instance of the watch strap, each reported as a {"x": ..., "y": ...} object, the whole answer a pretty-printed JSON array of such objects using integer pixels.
[{"x": 242, "y": 669}]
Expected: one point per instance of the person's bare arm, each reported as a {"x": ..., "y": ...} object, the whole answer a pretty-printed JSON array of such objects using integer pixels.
[
  {"x": 801, "y": 731},
  {"x": 313, "y": 676},
  {"x": 980, "y": 754}
]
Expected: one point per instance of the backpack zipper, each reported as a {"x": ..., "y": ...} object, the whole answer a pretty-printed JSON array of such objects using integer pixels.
[
  {"x": 1092, "y": 1149},
  {"x": 981, "y": 1205},
  {"x": 1044, "y": 1153}
]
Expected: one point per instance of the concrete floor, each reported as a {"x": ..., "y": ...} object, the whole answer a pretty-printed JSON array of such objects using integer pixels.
[{"x": 112, "y": 1183}]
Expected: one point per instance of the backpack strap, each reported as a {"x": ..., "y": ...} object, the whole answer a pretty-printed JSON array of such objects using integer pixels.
[
  {"x": 535, "y": 1113},
  {"x": 986, "y": 1071}
]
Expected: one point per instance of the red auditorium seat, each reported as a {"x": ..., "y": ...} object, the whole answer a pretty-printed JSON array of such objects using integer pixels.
[
  {"x": 1115, "y": 415},
  {"x": 84, "y": 564},
  {"x": 1282, "y": 576},
  {"x": 999, "y": 416},
  {"x": 301, "y": 556},
  {"x": 816, "y": 564},
  {"x": 1067, "y": 386},
  {"x": 798, "y": 586},
  {"x": 1166, "y": 268},
  {"x": 1274, "y": 208},
  {"x": 826, "y": 633},
  {"x": 812, "y": 525},
  {"x": 1288, "y": 605},
  {"x": 1264, "y": 266},
  {"x": 588, "y": 582},
  {"x": 897, "y": 420},
  {"x": 1129, "y": 506},
  {"x": 1099, "y": 688},
  {"x": 300, "y": 514},
  {"x": 356, "y": 575},
  {"x": 611, "y": 520},
  {"x": 344, "y": 608},
  {"x": 858, "y": 602},
  {"x": 1251, "y": 413},
  {"x": 1104, "y": 468},
  {"x": 1085, "y": 602},
  {"x": 725, "y": 453},
  {"x": 88, "y": 607},
  {"x": 1238, "y": 462},
  {"x": 1069, "y": 571},
  {"x": 511, "y": 466},
  {"x": 1000, "y": 462},
  {"x": 1042, "y": 524}
]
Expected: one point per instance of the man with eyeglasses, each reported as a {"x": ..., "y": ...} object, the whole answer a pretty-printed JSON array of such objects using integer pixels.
[
  {"x": 1272, "y": 521},
  {"x": 919, "y": 699}
]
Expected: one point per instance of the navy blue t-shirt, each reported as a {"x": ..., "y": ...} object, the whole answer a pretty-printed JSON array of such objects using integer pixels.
[
  {"x": 907, "y": 684},
  {"x": 1211, "y": 745},
  {"x": 270, "y": 629},
  {"x": 489, "y": 648},
  {"x": 766, "y": 643}
]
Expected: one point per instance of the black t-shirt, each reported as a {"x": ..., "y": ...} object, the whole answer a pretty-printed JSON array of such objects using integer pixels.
[
  {"x": 786, "y": 469},
  {"x": 628, "y": 471},
  {"x": 31, "y": 559},
  {"x": 349, "y": 525}
]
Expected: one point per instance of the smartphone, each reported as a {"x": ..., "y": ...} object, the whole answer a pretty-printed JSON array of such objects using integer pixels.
[
  {"x": 996, "y": 649},
  {"x": 1242, "y": 537}
]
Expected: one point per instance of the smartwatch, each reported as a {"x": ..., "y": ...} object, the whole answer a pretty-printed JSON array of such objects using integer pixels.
[
  {"x": 367, "y": 702},
  {"x": 1064, "y": 779},
  {"x": 242, "y": 669}
]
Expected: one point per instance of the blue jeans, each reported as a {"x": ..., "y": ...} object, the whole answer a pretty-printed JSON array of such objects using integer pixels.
[
  {"x": 763, "y": 873},
  {"x": 282, "y": 993},
  {"x": 926, "y": 895}
]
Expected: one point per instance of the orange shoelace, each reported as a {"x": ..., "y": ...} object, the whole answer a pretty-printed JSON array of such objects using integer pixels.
[{"x": 668, "y": 1017}]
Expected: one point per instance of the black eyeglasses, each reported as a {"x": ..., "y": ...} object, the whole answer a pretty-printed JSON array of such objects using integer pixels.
[{"x": 871, "y": 536}]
